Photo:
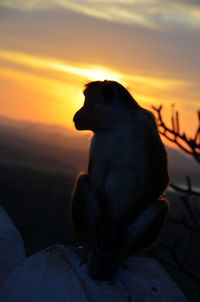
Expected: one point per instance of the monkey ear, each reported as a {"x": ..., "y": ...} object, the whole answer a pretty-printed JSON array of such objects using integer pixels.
[{"x": 108, "y": 92}]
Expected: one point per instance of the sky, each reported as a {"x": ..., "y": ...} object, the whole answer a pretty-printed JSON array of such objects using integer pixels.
[{"x": 50, "y": 49}]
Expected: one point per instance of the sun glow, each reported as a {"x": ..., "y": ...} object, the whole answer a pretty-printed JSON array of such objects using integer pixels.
[
  {"x": 29, "y": 97},
  {"x": 50, "y": 90},
  {"x": 89, "y": 72}
]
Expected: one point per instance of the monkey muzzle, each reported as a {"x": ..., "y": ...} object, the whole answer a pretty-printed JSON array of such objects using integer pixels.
[{"x": 79, "y": 121}]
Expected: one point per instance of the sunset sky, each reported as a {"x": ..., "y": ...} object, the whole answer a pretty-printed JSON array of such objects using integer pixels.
[{"x": 49, "y": 49}]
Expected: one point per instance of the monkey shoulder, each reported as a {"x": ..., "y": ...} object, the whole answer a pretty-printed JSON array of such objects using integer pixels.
[{"x": 123, "y": 147}]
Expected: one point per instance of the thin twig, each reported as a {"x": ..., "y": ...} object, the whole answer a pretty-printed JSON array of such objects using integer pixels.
[
  {"x": 184, "y": 224},
  {"x": 192, "y": 146},
  {"x": 184, "y": 190}
]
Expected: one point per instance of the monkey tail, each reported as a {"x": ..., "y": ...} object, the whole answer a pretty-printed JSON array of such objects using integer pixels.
[
  {"x": 102, "y": 265},
  {"x": 102, "y": 259}
]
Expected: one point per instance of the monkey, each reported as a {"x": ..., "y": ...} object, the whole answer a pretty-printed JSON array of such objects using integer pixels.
[{"x": 117, "y": 208}]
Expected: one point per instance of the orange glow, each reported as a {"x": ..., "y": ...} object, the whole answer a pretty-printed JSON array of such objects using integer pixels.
[
  {"x": 50, "y": 91},
  {"x": 29, "y": 97},
  {"x": 89, "y": 72}
]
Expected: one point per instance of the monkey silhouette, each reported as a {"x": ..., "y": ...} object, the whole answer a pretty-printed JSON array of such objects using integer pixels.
[{"x": 117, "y": 207}]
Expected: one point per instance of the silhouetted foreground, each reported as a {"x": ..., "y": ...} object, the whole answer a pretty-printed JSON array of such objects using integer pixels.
[
  {"x": 12, "y": 252},
  {"x": 60, "y": 274}
]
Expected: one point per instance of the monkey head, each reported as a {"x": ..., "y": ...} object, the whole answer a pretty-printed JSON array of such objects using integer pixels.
[{"x": 103, "y": 105}]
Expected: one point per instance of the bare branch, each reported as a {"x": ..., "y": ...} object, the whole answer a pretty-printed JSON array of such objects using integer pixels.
[
  {"x": 182, "y": 265},
  {"x": 188, "y": 190},
  {"x": 177, "y": 122},
  {"x": 191, "y": 220},
  {"x": 176, "y": 257},
  {"x": 184, "y": 224},
  {"x": 188, "y": 145}
]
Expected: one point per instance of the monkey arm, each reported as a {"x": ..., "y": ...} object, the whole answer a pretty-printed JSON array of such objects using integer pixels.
[{"x": 85, "y": 212}]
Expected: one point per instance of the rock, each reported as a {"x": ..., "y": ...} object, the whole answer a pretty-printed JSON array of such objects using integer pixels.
[
  {"x": 12, "y": 252},
  {"x": 60, "y": 274}
]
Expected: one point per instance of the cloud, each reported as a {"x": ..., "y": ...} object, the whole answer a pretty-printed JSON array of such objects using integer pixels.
[
  {"x": 88, "y": 72},
  {"x": 156, "y": 14}
]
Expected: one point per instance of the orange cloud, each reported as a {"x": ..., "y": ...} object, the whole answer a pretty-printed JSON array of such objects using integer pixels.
[
  {"x": 50, "y": 91},
  {"x": 88, "y": 71}
]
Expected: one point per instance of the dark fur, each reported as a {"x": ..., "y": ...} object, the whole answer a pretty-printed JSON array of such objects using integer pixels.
[{"x": 116, "y": 207}]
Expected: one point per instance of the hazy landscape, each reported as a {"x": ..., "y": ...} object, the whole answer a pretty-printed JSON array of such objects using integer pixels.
[{"x": 38, "y": 166}]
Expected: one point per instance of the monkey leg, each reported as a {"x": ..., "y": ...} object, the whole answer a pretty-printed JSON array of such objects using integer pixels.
[
  {"x": 90, "y": 231},
  {"x": 146, "y": 229},
  {"x": 85, "y": 212}
]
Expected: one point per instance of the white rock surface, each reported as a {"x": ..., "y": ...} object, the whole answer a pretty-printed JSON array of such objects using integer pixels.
[
  {"x": 12, "y": 252},
  {"x": 59, "y": 274}
]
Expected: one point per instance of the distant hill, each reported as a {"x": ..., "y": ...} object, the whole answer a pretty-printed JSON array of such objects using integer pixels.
[
  {"x": 43, "y": 146},
  {"x": 57, "y": 135},
  {"x": 56, "y": 147}
]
